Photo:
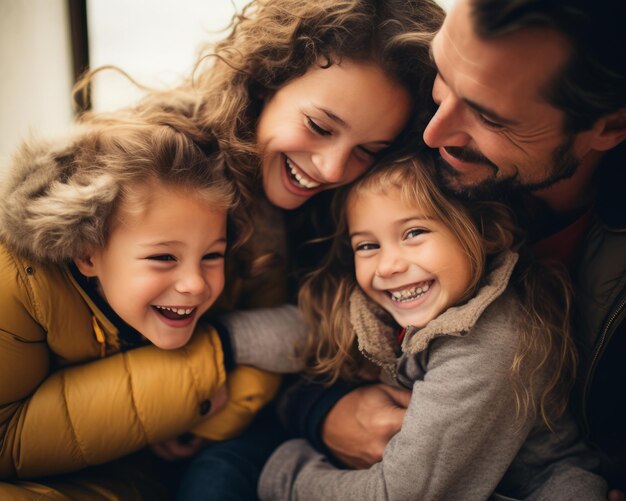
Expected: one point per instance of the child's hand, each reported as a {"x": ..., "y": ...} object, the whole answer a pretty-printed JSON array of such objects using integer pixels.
[
  {"x": 188, "y": 444},
  {"x": 185, "y": 446}
]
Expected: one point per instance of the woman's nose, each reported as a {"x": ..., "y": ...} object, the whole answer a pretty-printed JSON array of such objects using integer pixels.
[{"x": 331, "y": 163}]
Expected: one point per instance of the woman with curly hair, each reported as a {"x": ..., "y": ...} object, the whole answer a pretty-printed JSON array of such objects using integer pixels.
[{"x": 304, "y": 97}]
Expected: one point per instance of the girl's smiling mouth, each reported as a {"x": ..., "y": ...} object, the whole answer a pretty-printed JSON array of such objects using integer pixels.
[{"x": 411, "y": 292}]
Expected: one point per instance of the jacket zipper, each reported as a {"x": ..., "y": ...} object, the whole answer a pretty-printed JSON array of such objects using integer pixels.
[
  {"x": 604, "y": 338},
  {"x": 100, "y": 337}
]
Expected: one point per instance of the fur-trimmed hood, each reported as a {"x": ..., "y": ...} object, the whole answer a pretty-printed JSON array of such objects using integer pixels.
[
  {"x": 376, "y": 331},
  {"x": 49, "y": 210}
]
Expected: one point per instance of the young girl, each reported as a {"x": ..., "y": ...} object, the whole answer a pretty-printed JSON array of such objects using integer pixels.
[
  {"x": 423, "y": 292},
  {"x": 110, "y": 242}
]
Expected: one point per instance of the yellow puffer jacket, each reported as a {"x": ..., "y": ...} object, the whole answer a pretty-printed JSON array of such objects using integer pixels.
[{"x": 70, "y": 399}]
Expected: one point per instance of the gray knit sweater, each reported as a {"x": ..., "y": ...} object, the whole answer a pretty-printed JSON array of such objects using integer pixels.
[{"x": 461, "y": 439}]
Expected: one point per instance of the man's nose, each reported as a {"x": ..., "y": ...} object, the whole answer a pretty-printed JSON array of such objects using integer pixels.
[{"x": 447, "y": 127}]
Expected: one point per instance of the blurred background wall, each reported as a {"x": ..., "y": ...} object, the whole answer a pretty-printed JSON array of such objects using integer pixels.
[{"x": 155, "y": 41}]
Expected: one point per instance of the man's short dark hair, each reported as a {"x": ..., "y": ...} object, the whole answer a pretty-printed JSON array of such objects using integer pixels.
[{"x": 593, "y": 82}]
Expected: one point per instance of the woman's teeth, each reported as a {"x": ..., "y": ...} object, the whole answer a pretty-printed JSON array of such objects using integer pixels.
[
  {"x": 299, "y": 177},
  {"x": 410, "y": 293}
]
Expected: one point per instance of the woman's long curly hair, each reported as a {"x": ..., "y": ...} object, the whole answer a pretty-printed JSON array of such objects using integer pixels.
[
  {"x": 543, "y": 368},
  {"x": 272, "y": 42}
]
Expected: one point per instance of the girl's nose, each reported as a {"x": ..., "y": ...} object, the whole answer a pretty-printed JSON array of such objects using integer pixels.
[{"x": 390, "y": 263}]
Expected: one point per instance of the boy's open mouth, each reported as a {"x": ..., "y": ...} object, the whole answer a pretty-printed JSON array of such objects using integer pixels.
[{"x": 174, "y": 313}]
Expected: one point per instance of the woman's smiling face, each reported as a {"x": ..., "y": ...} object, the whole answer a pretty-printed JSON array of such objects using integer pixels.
[{"x": 324, "y": 129}]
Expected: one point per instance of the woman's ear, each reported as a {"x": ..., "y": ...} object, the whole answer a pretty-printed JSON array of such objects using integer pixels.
[
  {"x": 86, "y": 265},
  {"x": 611, "y": 131}
]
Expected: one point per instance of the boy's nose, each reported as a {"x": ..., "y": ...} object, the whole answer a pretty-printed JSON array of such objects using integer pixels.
[{"x": 191, "y": 282}]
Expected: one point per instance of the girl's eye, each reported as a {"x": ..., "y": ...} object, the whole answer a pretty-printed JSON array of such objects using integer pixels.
[
  {"x": 162, "y": 257},
  {"x": 213, "y": 256},
  {"x": 489, "y": 123},
  {"x": 367, "y": 246},
  {"x": 414, "y": 232},
  {"x": 316, "y": 128}
]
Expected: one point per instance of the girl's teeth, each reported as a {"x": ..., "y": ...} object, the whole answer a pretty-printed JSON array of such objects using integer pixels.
[
  {"x": 410, "y": 293},
  {"x": 297, "y": 176}
]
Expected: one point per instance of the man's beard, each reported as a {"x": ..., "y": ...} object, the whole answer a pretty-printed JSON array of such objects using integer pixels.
[{"x": 564, "y": 165}]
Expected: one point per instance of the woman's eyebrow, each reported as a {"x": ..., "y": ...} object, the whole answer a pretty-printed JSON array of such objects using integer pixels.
[{"x": 333, "y": 117}]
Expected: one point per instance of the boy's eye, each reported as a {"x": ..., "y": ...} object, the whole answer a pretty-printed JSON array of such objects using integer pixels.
[
  {"x": 213, "y": 256},
  {"x": 316, "y": 128},
  {"x": 162, "y": 257}
]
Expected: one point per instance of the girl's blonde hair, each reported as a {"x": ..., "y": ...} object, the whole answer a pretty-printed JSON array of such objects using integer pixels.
[
  {"x": 61, "y": 198},
  {"x": 483, "y": 229}
]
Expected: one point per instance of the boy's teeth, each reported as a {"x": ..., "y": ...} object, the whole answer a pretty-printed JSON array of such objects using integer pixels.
[
  {"x": 302, "y": 181},
  {"x": 410, "y": 293},
  {"x": 178, "y": 311}
]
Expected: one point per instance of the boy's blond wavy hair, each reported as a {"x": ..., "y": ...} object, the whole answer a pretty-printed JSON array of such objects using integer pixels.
[
  {"x": 60, "y": 198},
  {"x": 483, "y": 229}
]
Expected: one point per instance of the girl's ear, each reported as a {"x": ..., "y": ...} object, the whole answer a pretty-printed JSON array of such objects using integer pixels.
[
  {"x": 86, "y": 266},
  {"x": 611, "y": 130}
]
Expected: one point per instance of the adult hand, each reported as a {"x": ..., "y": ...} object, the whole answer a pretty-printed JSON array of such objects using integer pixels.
[
  {"x": 359, "y": 426},
  {"x": 188, "y": 444}
]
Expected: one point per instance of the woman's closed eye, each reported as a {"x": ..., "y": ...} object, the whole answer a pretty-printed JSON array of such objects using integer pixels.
[
  {"x": 317, "y": 128},
  {"x": 367, "y": 152}
]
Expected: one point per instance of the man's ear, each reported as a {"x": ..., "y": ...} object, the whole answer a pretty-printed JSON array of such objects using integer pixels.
[
  {"x": 86, "y": 266},
  {"x": 610, "y": 131}
]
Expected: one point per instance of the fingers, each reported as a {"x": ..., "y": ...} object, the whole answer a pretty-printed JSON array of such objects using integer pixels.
[
  {"x": 219, "y": 400},
  {"x": 173, "y": 450},
  {"x": 359, "y": 426},
  {"x": 400, "y": 396}
]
